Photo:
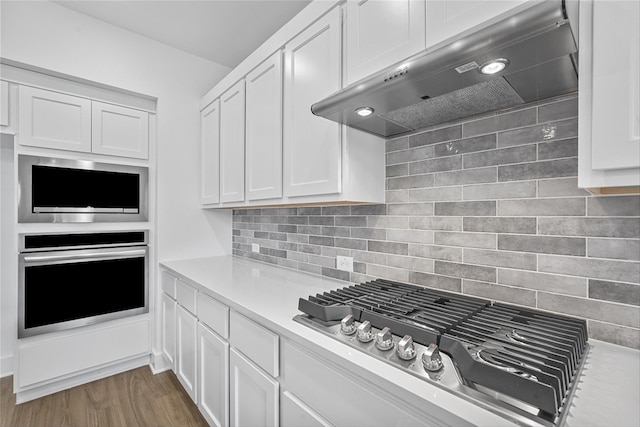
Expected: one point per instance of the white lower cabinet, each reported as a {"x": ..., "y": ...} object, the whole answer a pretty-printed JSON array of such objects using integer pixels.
[
  {"x": 168, "y": 315},
  {"x": 213, "y": 377},
  {"x": 186, "y": 350},
  {"x": 254, "y": 394},
  {"x": 296, "y": 414}
]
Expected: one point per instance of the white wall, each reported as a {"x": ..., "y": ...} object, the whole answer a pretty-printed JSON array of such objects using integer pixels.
[{"x": 49, "y": 36}]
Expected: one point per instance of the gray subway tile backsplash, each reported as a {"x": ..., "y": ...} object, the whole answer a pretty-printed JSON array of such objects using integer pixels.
[{"x": 488, "y": 207}]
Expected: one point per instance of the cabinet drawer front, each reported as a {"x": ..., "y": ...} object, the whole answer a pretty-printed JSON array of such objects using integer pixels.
[
  {"x": 186, "y": 296},
  {"x": 255, "y": 342},
  {"x": 213, "y": 314},
  {"x": 168, "y": 283}
]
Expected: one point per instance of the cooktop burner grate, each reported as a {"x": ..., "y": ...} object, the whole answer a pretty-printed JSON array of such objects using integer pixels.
[{"x": 509, "y": 352}]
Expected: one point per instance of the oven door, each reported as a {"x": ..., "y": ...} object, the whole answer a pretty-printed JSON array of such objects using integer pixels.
[{"x": 66, "y": 289}]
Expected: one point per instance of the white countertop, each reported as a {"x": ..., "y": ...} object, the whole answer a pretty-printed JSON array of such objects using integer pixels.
[{"x": 607, "y": 394}]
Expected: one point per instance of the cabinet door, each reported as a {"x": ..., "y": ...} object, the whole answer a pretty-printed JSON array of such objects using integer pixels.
[
  {"x": 213, "y": 377},
  {"x": 53, "y": 120},
  {"x": 264, "y": 130},
  {"x": 210, "y": 153},
  {"x": 186, "y": 354},
  {"x": 380, "y": 33},
  {"x": 446, "y": 18},
  {"x": 254, "y": 394},
  {"x": 168, "y": 313},
  {"x": 119, "y": 131},
  {"x": 232, "y": 144},
  {"x": 312, "y": 156},
  {"x": 616, "y": 85}
]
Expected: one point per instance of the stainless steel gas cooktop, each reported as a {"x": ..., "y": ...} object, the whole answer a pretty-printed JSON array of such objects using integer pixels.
[{"x": 520, "y": 363}]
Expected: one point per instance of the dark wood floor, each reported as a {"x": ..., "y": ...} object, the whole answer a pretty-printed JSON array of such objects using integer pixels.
[{"x": 133, "y": 398}]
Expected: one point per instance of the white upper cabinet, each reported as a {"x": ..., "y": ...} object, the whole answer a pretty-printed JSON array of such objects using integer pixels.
[
  {"x": 447, "y": 18},
  {"x": 210, "y": 153},
  {"x": 380, "y": 33},
  {"x": 616, "y": 89},
  {"x": 119, "y": 131},
  {"x": 312, "y": 157},
  {"x": 609, "y": 102},
  {"x": 60, "y": 121},
  {"x": 264, "y": 130},
  {"x": 232, "y": 104},
  {"x": 54, "y": 120}
]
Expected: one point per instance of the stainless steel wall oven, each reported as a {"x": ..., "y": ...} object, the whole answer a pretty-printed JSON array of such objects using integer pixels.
[
  {"x": 63, "y": 190},
  {"x": 78, "y": 279}
]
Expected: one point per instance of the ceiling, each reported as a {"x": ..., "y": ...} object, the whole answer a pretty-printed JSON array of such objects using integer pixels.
[{"x": 222, "y": 31}]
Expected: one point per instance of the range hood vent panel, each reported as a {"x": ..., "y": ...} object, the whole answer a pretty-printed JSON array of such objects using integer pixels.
[
  {"x": 537, "y": 40},
  {"x": 483, "y": 97}
]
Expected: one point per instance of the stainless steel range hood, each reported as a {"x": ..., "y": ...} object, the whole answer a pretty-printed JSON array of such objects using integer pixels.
[{"x": 444, "y": 83}]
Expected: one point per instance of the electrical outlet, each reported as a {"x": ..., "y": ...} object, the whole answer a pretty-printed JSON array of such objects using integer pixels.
[
  {"x": 344, "y": 263},
  {"x": 255, "y": 247}
]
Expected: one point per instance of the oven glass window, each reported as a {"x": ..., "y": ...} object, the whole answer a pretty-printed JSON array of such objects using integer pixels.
[
  {"x": 62, "y": 292},
  {"x": 91, "y": 188}
]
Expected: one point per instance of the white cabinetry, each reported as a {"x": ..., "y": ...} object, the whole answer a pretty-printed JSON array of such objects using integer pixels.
[
  {"x": 380, "y": 33},
  {"x": 447, "y": 18},
  {"x": 227, "y": 363},
  {"x": 210, "y": 153},
  {"x": 609, "y": 103},
  {"x": 232, "y": 104},
  {"x": 168, "y": 315},
  {"x": 54, "y": 120},
  {"x": 65, "y": 122},
  {"x": 254, "y": 394},
  {"x": 119, "y": 131},
  {"x": 297, "y": 414},
  {"x": 312, "y": 145},
  {"x": 186, "y": 354},
  {"x": 264, "y": 130},
  {"x": 335, "y": 393},
  {"x": 213, "y": 376},
  {"x": 43, "y": 362},
  {"x": 288, "y": 155}
]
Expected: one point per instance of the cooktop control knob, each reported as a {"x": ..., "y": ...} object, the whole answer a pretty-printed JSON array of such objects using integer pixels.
[
  {"x": 431, "y": 359},
  {"x": 384, "y": 339},
  {"x": 405, "y": 349},
  {"x": 364, "y": 333},
  {"x": 348, "y": 325}
]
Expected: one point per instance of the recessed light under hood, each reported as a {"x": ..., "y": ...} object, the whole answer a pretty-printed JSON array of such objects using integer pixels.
[{"x": 534, "y": 42}]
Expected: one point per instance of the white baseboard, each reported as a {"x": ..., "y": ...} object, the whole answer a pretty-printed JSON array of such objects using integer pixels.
[{"x": 37, "y": 391}]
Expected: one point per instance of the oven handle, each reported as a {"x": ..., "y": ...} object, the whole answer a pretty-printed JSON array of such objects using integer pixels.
[{"x": 84, "y": 256}]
